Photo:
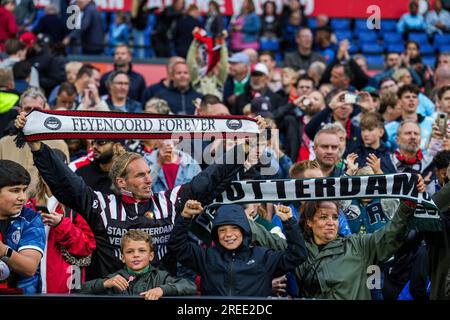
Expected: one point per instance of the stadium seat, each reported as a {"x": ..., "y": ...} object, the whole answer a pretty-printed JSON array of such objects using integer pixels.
[
  {"x": 39, "y": 14},
  {"x": 419, "y": 37},
  {"x": 361, "y": 25},
  {"x": 343, "y": 34},
  {"x": 340, "y": 24},
  {"x": 399, "y": 48},
  {"x": 372, "y": 48},
  {"x": 441, "y": 39},
  {"x": 388, "y": 25},
  {"x": 427, "y": 49},
  {"x": 429, "y": 61},
  {"x": 375, "y": 61},
  {"x": 367, "y": 37},
  {"x": 444, "y": 48},
  {"x": 269, "y": 44},
  {"x": 312, "y": 22},
  {"x": 354, "y": 48},
  {"x": 392, "y": 38}
]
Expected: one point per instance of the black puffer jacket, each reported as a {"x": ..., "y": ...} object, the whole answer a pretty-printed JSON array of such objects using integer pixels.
[{"x": 246, "y": 271}]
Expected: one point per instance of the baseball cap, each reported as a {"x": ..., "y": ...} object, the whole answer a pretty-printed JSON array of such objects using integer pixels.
[
  {"x": 28, "y": 38},
  {"x": 261, "y": 106},
  {"x": 260, "y": 69},
  {"x": 239, "y": 57}
]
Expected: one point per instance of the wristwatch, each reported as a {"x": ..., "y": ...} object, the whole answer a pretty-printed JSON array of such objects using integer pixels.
[{"x": 7, "y": 254}]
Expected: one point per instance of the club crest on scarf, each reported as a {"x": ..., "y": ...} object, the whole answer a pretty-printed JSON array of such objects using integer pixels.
[{"x": 208, "y": 52}]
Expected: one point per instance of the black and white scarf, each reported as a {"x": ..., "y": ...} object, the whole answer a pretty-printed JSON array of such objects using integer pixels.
[
  {"x": 48, "y": 125},
  {"x": 399, "y": 186}
]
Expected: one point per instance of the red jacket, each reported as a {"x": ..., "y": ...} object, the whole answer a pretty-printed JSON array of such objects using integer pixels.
[
  {"x": 8, "y": 27},
  {"x": 74, "y": 234}
]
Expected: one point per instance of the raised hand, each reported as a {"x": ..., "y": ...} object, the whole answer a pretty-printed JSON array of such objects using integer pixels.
[
  {"x": 283, "y": 212},
  {"x": 352, "y": 167},
  {"x": 375, "y": 163},
  {"x": 191, "y": 209}
]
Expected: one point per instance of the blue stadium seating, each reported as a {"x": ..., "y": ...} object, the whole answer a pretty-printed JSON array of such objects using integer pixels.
[
  {"x": 419, "y": 37},
  {"x": 367, "y": 37},
  {"x": 343, "y": 34},
  {"x": 39, "y": 14},
  {"x": 392, "y": 38},
  {"x": 395, "y": 48},
  {"x": 361, "y": 25},
  {"x": 388, "y": 25},
  {"x": 375, "y": 61},
  {"x": 312, "y": 22},
  {"x": 444, "y": 48},
  {"x": 441, "y": 39},
  {"x": 372, "y": 48},
  {"x": 429, "y": 61},
  {"x": 340, "y": 24},
  {"x": 427, "y": 49},
  {"x": 269, "y": 44},
  {"x": 354, "y": 48}
]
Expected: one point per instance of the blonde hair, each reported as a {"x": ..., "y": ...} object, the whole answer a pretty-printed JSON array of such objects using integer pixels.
[
  {"x": 119, "y": 168},
  {"x": 298, "y": 169},
  {"x": 400, "y": 73},
  {"x": 365, "y": 171},
  {"x": 292, "y": 73}
]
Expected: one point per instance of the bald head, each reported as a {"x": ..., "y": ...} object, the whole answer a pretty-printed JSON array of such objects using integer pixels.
[
  {"x": 217, "y": 109},
  {"x": 442, "y": 76}
]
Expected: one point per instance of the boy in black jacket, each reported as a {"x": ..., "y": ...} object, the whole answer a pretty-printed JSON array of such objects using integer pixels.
[
  {"x": 232, "y": 267},
  {"x": 138, "y": 277}
]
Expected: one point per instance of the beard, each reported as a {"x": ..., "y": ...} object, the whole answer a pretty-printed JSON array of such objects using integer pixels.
[
  {"x": 409, "y": 147},
  {"x": 104, "y": 157}
]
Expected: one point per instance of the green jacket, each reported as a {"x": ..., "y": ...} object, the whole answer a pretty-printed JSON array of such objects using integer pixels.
[
  {"x": 8, "y": 100},
  {"x": 340, "y": 269},
  {"x": 171, "y": 286}
]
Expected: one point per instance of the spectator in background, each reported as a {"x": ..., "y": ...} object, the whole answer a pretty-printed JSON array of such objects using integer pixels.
[
  {"x": 288, "y": 8},
  {"x": 8, "y": 100},
  {"x": 123, "y": 62},
  {"x": 392, "y": 62},
  {"x": 119, "y": 31},
  {"x": 151, "y": 90},
  {"x": 213, "y": 81},
  {"x": 139, "y": 22},
  {"x": 290, "y": 30},
  {"x": 316, "y": 70},
  {"x": 118, "y": 85},
  {"x": 170, "y": 167},
  {"x": 324, "y": 44},
  {"x": 91, "y": 33},
  {"x": 66, "y": 97},
  {"x": 50, "y": 64},
  {"x": 412, "y": 21},
  {"x": 437, "y": 20},
  {"x": 22, "y": 75},
  {"x": 183, "y": 30},
  {"x": 245, "y": 28},
  {"x": 51, "y": 25},
  {"x": 180, "y": 94},
  {"x": 270, "y": 23},
  {"x": 303, "y": 57},
  {"x": 165, "y": 28},
  {"x": 25, "y": 13},
  {"x": 71, "y": 69},
  {"x": 390, "y": 109},
  {"x": 8, "y": 25},
  {"x": 239, "y": 76},
  {"x": 289, "y": 79},
  {"x": 343, "y": 72},
  {"x": 17, "y": 51},
  {"x": 268, "y": 58},
  {"x": 214, "y": 20},
  {"x": 259, "y": 78}
]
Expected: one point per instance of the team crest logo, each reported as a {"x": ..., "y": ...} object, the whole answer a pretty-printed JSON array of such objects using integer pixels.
[
  {"x": 52, "y": 123},
  {"x": 16, "y": 236},
  {"x": 149, "y": 214},
  {"x": 95, "y": 204},
  {"x": 353, "y": 212},
  {"x": 234, "y": 124}
]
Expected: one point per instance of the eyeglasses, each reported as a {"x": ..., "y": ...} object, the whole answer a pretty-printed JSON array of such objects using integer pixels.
[{"x": 121, "y": 83}]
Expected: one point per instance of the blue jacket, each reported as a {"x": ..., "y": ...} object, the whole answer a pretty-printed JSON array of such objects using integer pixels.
[
  {"x": 131, "y": 106},
  {"x": 188, "y": 169},
  {"x": 251, "y": 27},
  {"x": 26, "y": 231},
  {"x": 246, "y": 271},
  {"x": 383, "y": 153},
  {"x": 91, "y": 32},
  {"x": 179, "y": 102}
]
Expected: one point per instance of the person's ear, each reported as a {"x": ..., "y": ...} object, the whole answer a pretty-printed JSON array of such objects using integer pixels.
[
  {"x": 151, "y": 256},
  {"x": 309, "y": 223},
  {"x": 122, "y": 257},
  {"x": 121, "y": 183}
]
